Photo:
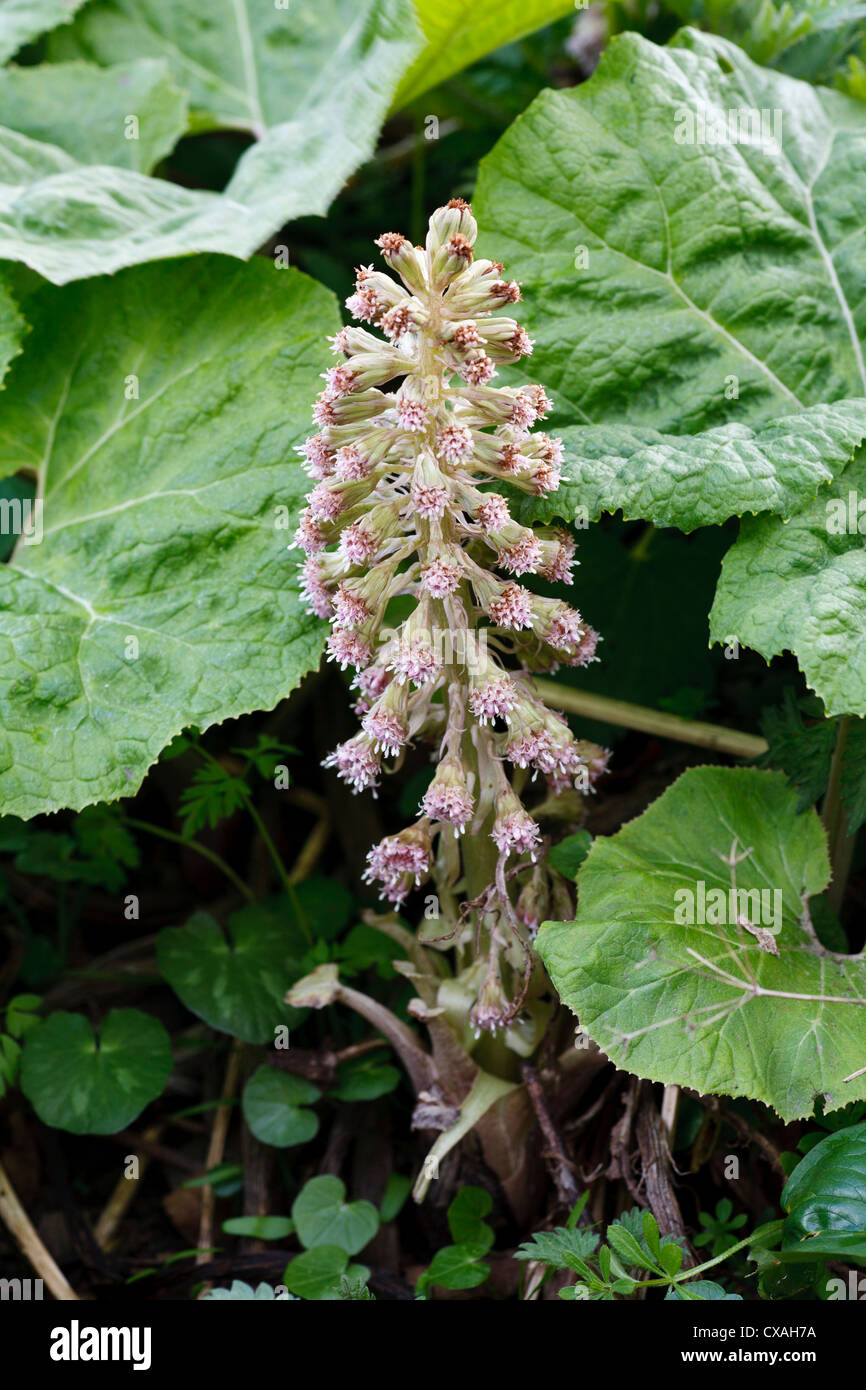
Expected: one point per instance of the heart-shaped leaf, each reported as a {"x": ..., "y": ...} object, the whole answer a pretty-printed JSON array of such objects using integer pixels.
[
  {"x": 160, "y": 410},
  {"x": 239, "y": 1292},
  {"x": 236, "y": 981},
  {"x": 455, "y": 1267},
  {"x": 322, "y": 1216},
  {"x": 466, "y": 1217},
  {"x": 317, "y": 1274},
  {"x": 324, "y": 906},
  {"x": 670, "y": 982},
  {"x": 273, "y": 1106},
  {"x": 95, "y": 1085}
]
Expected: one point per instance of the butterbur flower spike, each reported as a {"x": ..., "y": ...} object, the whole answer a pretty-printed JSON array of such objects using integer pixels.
[{"x": 412, "y": 436}]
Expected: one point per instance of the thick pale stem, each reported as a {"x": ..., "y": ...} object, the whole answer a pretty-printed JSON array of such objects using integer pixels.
[
  {"x": 417, "y": 1062},
  {"x": 651, "y": 721}
]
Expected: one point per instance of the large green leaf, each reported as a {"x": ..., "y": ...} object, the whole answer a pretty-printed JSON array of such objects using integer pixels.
[
  {"x": 129, "y": 115},
  {"x": 696, "y": 480},
  {"x": 12, "y": 333},
  {"x": 94, "y": 1085},
  {"x": 311, "y": 82},
  {"x": 825, "y": 1198},
  {"x": 709, "y": 1005},
  {"x": 456, "y": 34},
  {"x": 679, "y": 286},
  {"x": 68, "y": 220},
  {"x": 23, "y": 20},
  {"x": 252, "y": 66},
  {"x": 800, "y": 586},
  {"x": 159, "y": 411}
]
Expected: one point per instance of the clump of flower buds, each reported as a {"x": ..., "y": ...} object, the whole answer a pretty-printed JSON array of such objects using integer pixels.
[{"x": 407, "y": 502}]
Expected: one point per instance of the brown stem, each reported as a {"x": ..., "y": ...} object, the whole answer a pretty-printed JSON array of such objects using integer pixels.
[
  {"x": 21, "y": 1228},
  {"x": 216, "y": 1149},
  {"x": 121, "y": 1198},
  {"x": 655, "y": 1157},
  {"x": 311, "y": 850},
  {"x": 559, "y": 1165}
]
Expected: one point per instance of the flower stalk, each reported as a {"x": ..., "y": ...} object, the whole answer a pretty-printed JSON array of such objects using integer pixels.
[{"x": 413, "y": 446}]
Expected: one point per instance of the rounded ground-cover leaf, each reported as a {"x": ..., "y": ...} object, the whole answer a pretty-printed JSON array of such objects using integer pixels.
[
  {"x": 95, "y": 1085},
  {"x": 707, "y": 1005},
  {"x": 675, "y": 283},
  {"x": 274, "y": 1107},
  {"x": 159, "y": 410},
  {"x": 322, "y": 1216},
  {"x": 800, "y": 586},
  {"x": 455, "y": 1267},
  {"x": 318, "y": 1274},
  {"x": 466, "y": 1218},
  {"x": 239, "y": 1292},
  {"x": 825, "y": 1198},
  {"x": 236, "y": 980}
]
